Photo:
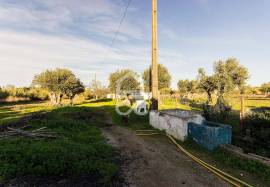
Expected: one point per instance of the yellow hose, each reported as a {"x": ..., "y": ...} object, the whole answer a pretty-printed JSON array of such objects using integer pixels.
[
  {"x": 146, "y": 130},
  {"x": 221, "y": 174},
  {"x": 226, "y": 174},
  {"x": 149, "y": 134},
  {"x": 210, "y": 167}
]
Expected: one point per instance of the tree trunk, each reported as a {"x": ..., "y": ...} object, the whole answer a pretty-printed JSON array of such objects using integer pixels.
[
  {"x": 53, "y": 98},
  {"x": 209, "y": 97}
]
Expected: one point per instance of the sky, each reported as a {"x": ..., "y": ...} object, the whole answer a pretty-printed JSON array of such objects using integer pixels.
[{"x": 77, "y": 34}]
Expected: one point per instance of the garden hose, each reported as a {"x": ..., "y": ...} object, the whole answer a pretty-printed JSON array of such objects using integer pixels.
[
  {"x": 225, "y": 176},
  {"x": 215, "y": 170},
  {"x": 146, "y": 132}
]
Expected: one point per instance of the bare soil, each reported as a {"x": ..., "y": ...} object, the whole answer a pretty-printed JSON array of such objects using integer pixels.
[{"x": 151, "y": 161}]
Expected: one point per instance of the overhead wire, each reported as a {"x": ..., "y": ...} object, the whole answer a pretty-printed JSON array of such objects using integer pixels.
[
  {"x": 120, "y": 24},
  {"x": 116, "y": 34}
]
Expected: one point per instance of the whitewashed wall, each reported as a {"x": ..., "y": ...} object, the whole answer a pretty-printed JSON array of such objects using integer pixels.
[{"x": 174, "y": 122}]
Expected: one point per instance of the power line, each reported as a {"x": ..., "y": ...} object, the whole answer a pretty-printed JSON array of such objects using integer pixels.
[
  {"x": 117, "y": 31},
  {"x": 120, "y": 24}
]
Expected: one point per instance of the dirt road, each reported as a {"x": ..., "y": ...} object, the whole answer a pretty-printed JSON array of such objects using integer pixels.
[{"x": 151, "y": 161}]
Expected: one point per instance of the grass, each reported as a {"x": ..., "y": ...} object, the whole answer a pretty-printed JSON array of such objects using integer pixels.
[
  {"x": 249, "y": 103},
  {"x": 80, "y": 149},
  {"x": 230, "y": 163},
  {"x": 220, "y": 158},
  {"x": 13, "y": 111}
]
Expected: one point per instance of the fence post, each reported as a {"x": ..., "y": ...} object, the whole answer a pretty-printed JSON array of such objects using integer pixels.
[{"x": 242, "y": 112}]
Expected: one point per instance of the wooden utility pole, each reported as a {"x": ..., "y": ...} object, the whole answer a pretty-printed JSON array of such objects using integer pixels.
[{"x": 154, "y": 67}]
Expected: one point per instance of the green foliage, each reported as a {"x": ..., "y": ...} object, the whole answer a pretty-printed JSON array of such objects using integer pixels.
[
  {"x": 88, "y": 94},
  {"x": 230, "y": 74},
  {"x": 183, "y": 86},
  {"x": 98, "y": 90},
  {"x": 59, "y": 82},
  {"x": 258, "y": 121},
  {"x": 125, "y": 79},
  {"x": 265, "y": 88},
  {"x": 211, "y": 113},
  {"x": 73, "y": 86},
  {"x": 30, "y": 93},
  {"x": 3, "y": 94},
  {"x": 207, "y": 84},
  {"x": 81, "y": 149},
  {"x": 164, "y": 78},
  {"x": 251, "y": 166},
  {"x": 187, "y": 86}
]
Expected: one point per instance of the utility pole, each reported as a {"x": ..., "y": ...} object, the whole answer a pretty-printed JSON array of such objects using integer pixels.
[{"x": 154, "y": 67}]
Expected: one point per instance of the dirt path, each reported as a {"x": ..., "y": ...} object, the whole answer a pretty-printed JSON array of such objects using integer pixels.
[{"x": 151, "y": 161}]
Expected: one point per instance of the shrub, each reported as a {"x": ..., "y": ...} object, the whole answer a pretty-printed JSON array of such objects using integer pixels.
[
  {"x": 3, "y": 94},
  {"x": 258, "y": 121},
  {"x": 212, "y": 113}
]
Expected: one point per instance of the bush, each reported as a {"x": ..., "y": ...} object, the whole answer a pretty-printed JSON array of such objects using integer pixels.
[
  {"x": 3, "y": 94},
  {"x": 211, "y": 113},
  {"x": 33, "y": 94},
  {"x": 88, "y": 94},
  {"x": 258, "y": 121}
]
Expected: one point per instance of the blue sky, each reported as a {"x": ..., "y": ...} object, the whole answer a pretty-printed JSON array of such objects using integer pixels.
[{"x": 76, "y": 34}]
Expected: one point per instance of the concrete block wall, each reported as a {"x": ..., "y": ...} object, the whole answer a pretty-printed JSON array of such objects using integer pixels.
[{"x": 174, "y": 122}]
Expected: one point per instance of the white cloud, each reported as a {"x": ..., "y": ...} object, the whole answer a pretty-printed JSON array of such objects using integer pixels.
[
  {"x": 24, "y": 55},
  {"x": 100, "y": 17},
  {"x": 36, "y": 35},
  {"x": 31, "y": 53}
]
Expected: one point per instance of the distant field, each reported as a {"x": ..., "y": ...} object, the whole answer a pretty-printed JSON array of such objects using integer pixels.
[
  {"x": 235, "y": 102},
  {"x": 13, "y": 111},
  {"x": 249, "y": 103}
]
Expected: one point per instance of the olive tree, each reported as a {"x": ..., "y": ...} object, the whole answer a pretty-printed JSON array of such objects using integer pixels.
[
  {"x": 59, "y": 82},
  {"x": 187, "y": 87},
  {"x": 164, "y": 78},
  {"x": 265, "y": 88},
  {"x": 229, "y": 75},
  {"x": 207, "y": 84},
  {"x": 124, "y": 79}
]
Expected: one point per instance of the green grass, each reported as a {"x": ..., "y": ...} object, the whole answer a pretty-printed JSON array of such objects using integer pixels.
[
  {"x": 220, "y": 158},
  {"x": 230, "y": 163},
  {"x": 80, "y": 149},
  {"x": 11, "y": 112},
  {"x": 249, "y": 103}
]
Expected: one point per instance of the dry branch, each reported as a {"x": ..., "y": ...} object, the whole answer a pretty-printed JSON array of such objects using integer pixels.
[{"x": 36, "y": 134}]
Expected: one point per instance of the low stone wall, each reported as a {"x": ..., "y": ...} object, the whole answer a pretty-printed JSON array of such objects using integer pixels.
[{"x": 174, "y": 122}]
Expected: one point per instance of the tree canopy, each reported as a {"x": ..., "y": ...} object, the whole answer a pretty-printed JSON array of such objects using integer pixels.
[
  {"x": 207, "y": 84},
  {"x": 98, "y": 89},
  {"x": 228, "y": 75},
  {"x": 265, "y": 88},
  {"x": 164, "y": 78},
  {"x": 126, "y": 80},
  {"x": 187, "y": 86},
  {"x": 59, "y": 82}
]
